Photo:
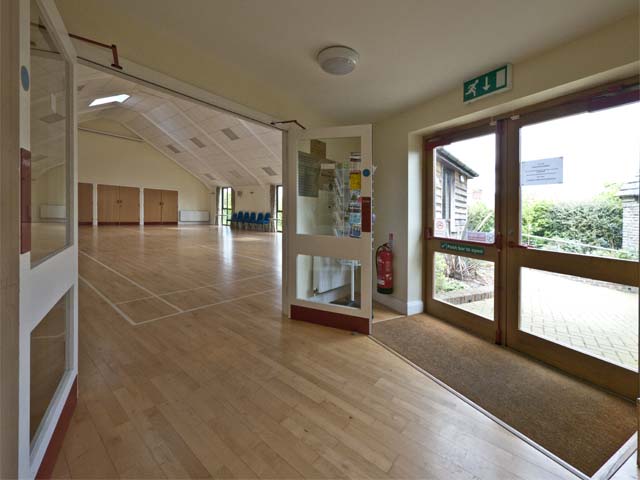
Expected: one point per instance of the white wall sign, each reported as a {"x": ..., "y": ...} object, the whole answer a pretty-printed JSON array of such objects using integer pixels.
[
  {"x": 546, "y": 171},
  {"x": 440, "y": 227}
]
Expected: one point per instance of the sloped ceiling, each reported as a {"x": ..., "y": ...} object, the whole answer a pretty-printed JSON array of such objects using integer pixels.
[{"x": 216, "y": 147}]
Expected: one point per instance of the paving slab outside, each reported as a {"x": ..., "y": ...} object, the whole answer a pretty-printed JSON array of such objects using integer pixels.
[{"x": 598, "y": 318}]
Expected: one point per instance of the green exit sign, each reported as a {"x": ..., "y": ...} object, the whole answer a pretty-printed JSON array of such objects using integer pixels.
[
  {"x": 495, "y": 81},
  {"x": 456, "y": 247}
]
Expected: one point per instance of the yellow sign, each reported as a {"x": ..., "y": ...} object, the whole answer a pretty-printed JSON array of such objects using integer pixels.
[{"x": 355, "y": 180}]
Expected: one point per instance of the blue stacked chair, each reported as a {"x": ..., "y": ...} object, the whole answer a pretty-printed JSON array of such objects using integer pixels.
[
  {"x": 245, "y": 220},
  {"x": 252, "y": 220},
  {"x": 266, "y": 221},
  {"x": 234, "y": 220},
  {"x": 259, "y": 220}
]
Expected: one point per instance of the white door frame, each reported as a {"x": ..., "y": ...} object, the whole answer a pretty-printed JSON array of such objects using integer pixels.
[
  {"x": 41, "y": 286},
  {"x": 324, "y": 245}
]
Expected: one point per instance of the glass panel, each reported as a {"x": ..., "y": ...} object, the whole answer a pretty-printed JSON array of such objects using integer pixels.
[
  {"x": 464, "y": 283},
  {"x": 579, "y": 183},
  {"x": 464, "y": 189},
  {"x": 598, "y": 318},
  {"x": 49, "y": 135},
  {"x": 225, "y": 209},
  {"x": 48, "y": 361},
  {"x": 328, "y": 280},
  {"x": 329, "y": 181}
]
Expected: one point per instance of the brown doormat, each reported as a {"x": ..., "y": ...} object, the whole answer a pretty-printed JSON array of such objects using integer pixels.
[{"x": 579, "y": 423}]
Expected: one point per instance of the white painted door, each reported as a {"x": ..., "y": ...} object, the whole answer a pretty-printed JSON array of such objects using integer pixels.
[
  {"x": 329, "y": 226},
  {"x": 48, "y": 360}
]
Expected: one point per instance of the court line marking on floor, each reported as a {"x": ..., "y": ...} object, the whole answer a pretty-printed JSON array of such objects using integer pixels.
[
  {"x": 206, "y": 306},
  {"x": 104, "y": 297},
  {"x": 210, "y": 285},
  {"x": 219, "y": 283},
  {"x": 48, "y": 337},
  {"x": 144, "y": 289},
  {"x": 238, "y": 254},
  {"x": 134, "y": 300}
]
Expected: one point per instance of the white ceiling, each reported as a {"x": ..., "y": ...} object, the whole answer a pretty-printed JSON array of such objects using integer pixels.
[
  {"x": 190, "y": 134},
  {"x": 410, "y": 50}
]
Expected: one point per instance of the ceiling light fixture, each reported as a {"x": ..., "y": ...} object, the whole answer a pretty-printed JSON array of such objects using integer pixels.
[
  {"x": 114, "y": 98},
  {"x": 338, "y": 60}
]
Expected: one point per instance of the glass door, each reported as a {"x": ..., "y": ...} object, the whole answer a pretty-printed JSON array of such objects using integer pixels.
[
  {"x": 328, "y": 227},
  {"x": 462, "y": 249},
  {"x": 573, "y": 240},
  {"x": 48, "y": 362}
]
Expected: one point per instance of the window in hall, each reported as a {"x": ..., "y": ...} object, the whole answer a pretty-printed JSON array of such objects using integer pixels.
[
  {"x": 279, "y": 207},
  {"x": 225, "y": 206}
]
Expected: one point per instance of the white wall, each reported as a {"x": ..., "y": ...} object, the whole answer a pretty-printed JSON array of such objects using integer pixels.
[
  {"x": 254, "y": 198},
  {"x": 48, "y": 188},
  {"x": 114, "y": 161},
  {"x": 604, "y": 55}
]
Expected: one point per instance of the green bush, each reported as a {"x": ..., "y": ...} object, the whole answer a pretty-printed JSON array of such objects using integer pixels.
[
  {"x": 597, "y": 223},
  {"x": 480, "y": 218},
  {"x": 444, "y": 281}
]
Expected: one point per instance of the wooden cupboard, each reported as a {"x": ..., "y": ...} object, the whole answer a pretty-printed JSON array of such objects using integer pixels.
[
  {"x": 160, "y": 206},
  {"x": 118, "y": 205},
  {"x": 169, "y": 206},
  {"x": 129, "y": 205},
  {"x": 85, "y": 203},
  {"x": 152, "y": 206}
]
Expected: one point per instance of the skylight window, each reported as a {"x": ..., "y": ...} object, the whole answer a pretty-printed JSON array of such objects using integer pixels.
[{"x": 115, "y": 98}]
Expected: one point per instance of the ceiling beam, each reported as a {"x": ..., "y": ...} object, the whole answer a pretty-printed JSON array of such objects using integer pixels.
[
  {"x": 276, "y": 157},
  {"x": 174, "y": 139},
  {"x": 219, "y": 145}
]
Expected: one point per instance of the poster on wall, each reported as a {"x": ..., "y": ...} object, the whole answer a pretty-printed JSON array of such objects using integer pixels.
[{"x": 546, "y": 171}]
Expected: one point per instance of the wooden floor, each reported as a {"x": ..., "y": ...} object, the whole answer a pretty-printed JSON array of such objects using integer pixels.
[{"x": 188, "y": 369}]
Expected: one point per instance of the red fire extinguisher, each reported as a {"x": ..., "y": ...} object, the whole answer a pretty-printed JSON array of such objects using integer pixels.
[{"x": 384, "y": 267}]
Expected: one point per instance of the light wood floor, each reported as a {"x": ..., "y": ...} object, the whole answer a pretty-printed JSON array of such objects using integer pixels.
[{"x": 188, "y": 369}]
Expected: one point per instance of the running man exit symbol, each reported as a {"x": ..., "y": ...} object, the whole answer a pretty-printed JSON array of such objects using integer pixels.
[{"x": 495, "y": 81}]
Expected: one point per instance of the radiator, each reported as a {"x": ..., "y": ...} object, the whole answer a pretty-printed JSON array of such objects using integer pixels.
[
  {"x": 194, "y": 215},
  {"x": 329, "y": 274},
  {"x": 53, "y": 212}
]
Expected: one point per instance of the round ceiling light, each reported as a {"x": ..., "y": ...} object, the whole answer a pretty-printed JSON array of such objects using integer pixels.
[{"x": 338, "y": 60}]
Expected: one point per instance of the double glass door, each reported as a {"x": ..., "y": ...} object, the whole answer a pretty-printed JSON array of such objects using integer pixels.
[
  {"x": 463, "y": 253},
  {"x": 533, "y": 235}
]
